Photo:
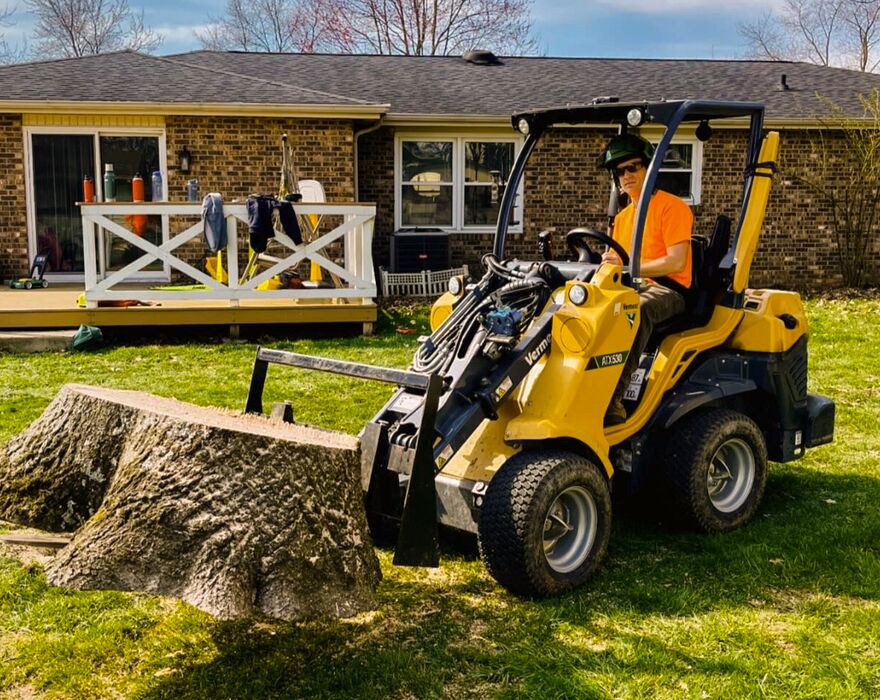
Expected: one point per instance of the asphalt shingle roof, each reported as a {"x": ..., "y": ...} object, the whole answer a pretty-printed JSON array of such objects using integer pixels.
[
  {"x": 128, "y": 76},
  {"x": 419, "y": 85}
]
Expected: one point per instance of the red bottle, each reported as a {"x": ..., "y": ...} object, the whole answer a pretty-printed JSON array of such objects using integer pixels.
[
  {"x": 137, "y": 188},
  {"x": 88, "y": 189},
  {"x": 138, "y": 221}
]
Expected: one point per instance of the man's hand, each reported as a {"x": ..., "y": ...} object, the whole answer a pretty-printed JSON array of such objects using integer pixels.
[{"x": 609, "y": 256}]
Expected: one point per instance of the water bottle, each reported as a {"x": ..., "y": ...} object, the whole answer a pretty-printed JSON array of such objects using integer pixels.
[
  {"x": 192, "y": 190},
  {"x": 156, "y": 184},
  {"x": 88, "y": 189},
  {"x": 109, "y": 183},
  {"x": 137, "y": 188}
]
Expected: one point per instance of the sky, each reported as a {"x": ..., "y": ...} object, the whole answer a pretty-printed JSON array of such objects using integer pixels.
[{"x": 598, "y": 28}]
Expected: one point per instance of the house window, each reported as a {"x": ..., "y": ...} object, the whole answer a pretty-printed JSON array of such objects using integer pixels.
[
  {"x": 454, "y": 183},
  {"x": 427, "y": 183},
  {"x": 681, "y": 169}
]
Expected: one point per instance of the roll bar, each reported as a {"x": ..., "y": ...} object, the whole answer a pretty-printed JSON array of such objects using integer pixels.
[{"x": 671, "y": 114}]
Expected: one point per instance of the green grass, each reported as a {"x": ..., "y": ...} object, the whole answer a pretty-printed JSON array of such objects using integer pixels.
[{"x": 788, "y": 607}]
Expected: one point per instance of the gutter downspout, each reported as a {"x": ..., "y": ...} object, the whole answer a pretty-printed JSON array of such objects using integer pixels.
[{"x": 357, "y": 135}]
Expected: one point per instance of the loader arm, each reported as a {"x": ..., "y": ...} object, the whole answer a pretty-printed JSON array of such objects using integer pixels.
[{"x": 432, "y": 417}]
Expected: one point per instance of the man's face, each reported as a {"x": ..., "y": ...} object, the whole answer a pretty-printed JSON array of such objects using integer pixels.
[{"x": 631, "y": 175}]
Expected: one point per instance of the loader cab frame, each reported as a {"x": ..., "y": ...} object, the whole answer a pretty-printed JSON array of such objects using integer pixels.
[{"x": 626, "y": 115}]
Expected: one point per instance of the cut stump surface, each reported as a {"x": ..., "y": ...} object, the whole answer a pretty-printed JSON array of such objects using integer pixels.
[{"x": 229, "y": 512}]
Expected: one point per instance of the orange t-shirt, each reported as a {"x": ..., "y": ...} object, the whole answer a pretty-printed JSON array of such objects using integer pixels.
[{"x": 670, "y": 221}]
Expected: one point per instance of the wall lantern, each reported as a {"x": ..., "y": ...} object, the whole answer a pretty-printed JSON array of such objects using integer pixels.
[{"x": 184, "y": 158}]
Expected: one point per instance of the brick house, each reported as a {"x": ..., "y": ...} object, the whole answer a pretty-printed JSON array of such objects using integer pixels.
[{"x": 428, "y": 139}]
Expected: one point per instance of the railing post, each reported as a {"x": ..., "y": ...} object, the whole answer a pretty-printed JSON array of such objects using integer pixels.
[
  {"x": 232, "y": 254},
  {"x": 89, "y": 258}
]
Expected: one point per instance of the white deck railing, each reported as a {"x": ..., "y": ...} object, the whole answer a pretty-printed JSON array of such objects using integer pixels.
[{"x": 355, "y": 279}]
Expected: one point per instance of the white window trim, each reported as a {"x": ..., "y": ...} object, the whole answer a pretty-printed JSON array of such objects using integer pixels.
[
  {"x": 95, "y": 133},
  {"x": 696, "y": 164},
  {"x": 458, "y": 140}
]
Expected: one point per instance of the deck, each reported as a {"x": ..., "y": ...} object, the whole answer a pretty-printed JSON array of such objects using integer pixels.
[
  {"x": 56, "y": 307},
  {"x": 236, "y": 301}
]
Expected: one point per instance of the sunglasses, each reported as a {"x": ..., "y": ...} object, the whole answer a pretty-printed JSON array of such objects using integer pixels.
[{"x": 631, "y": 168}]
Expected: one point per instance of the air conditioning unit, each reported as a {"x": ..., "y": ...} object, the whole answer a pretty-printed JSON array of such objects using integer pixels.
[{"x": 417, "y": 249}]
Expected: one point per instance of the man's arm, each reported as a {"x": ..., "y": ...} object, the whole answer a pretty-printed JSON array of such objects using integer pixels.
[{"x": 674, "y": 261}]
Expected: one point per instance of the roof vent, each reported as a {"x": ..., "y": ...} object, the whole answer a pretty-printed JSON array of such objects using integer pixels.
[
  {"x": 783, "y": 85},
  {"x": 481, "y": 57}
]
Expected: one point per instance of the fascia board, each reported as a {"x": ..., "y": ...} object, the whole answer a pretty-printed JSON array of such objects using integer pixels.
[{"x": 235, "y": 109}]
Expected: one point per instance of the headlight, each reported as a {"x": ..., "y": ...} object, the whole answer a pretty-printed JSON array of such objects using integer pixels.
[
  {"x": 577, "y": 294},
  {"x": 455, "y": 286},
  {"x": 523, "y": 127},
  {"x": 635, "y": 117}
]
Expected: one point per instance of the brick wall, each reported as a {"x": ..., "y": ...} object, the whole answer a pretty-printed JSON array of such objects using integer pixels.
[
  {"x": 376, "y": 184},
  {"x": 13, "y": 223},
  {"x": 238, "y": 156},
  {"x": 231, "y": 155},
  {"x": 564, "y": 189}
]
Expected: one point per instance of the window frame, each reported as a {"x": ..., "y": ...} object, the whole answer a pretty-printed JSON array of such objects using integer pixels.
[
  {"x": 696, "y": 169},
  {"x": 96, "y": 132},
  {"x": 458, "y": 139}
]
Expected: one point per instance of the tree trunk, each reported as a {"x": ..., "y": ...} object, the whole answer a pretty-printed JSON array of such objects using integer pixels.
[{"x": 229, "y": 512}]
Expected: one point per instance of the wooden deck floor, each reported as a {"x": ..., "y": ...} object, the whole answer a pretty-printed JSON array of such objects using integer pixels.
[{"x": 56, "y": 307}]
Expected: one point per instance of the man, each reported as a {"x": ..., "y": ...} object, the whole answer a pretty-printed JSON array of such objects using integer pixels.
[{"x": 666, "y": 249}]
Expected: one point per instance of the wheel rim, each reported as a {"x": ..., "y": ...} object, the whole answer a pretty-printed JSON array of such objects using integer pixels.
[
  {"x": 731, "y": 475},
  {"x": 570, "y": 529}
]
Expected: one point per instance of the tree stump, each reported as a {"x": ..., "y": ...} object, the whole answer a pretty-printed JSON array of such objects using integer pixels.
[{"x": 229, "y": 512}]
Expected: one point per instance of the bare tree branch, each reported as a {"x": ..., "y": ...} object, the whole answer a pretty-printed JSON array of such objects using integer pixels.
[
  {"x": 827, "y": 32},
  {"x": 847, "y": 182},
  {"x": 408, "y": 27},
  {"x": 10, "y": 53},
  {"x": 81, "y": 27}
]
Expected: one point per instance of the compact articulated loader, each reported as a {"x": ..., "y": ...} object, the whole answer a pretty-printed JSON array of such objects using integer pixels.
[{"x": 497, "y": 427}]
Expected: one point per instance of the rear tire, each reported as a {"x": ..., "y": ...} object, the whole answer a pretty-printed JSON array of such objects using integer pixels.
[
  {"x": 28, "y": 285},
  {"x": 716, "y": 465},
  {"x": 545, "y": 523}
]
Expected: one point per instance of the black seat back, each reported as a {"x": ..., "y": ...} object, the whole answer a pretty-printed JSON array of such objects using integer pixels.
[{"x": 708, "y": 281}]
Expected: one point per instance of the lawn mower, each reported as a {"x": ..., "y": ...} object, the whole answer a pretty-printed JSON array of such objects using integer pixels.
[
  {"x": 35, "y": 278},
  {"x": 497, "y": 429}
]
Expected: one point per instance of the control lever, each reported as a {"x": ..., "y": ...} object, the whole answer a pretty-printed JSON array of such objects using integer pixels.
[{"x": 545, "y": 245}]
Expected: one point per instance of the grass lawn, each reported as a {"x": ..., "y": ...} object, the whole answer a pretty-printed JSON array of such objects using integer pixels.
[{"x": 788, "y": 607}]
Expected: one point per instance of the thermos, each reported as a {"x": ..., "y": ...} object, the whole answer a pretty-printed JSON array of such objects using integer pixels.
[
  {"x": 137, "y": 188},
  {"x": 88, "y": 189},
  {"x": 109, "y": 183},
  {"x": 192, "y": 190},
  {"x": 156, "y": 183}
]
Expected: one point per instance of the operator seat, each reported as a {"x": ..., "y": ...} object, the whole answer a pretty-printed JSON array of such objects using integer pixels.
[{"x": 708, "y": 281}]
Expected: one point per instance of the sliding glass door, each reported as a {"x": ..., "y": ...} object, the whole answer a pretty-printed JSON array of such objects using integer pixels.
[{"x": 57, "y": 165}]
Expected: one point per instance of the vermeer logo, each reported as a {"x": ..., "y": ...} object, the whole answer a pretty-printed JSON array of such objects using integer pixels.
[
  {"x": 631, "y": 318},
  {"x": 535, "y": 354},
  {"x": 609, "y": 360}
]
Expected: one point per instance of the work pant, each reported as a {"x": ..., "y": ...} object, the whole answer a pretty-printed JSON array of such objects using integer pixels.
[{"x": 657, "y": 304}]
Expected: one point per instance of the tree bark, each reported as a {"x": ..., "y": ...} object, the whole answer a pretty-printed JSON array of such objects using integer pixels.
[{"x": 229, "y": 512}]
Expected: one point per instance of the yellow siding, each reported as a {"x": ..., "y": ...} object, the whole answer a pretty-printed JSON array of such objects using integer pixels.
[{"x": 94, "y": 120}]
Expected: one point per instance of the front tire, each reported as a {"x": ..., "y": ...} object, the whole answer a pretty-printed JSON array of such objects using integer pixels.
[
  {"x": 545, "y": 523},
  {"x": 716, "y": 464}
]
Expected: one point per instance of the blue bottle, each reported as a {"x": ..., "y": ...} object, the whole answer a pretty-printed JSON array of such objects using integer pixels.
[{"x": 156, "y": 184}]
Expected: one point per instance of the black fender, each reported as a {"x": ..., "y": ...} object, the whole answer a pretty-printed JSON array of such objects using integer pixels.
[{"x": 714, "y": 377}]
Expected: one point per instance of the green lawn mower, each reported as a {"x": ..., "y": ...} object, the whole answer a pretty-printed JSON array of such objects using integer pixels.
[{"x": 36, "y": 279}]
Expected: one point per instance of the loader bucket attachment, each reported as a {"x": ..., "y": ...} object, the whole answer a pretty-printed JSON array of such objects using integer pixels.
[{"x": 417, "y": 543}]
